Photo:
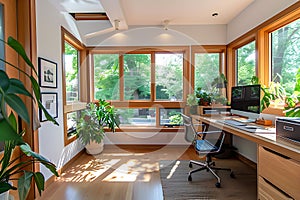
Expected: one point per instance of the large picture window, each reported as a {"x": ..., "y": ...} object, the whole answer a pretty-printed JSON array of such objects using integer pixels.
[
  {"x": 207, "y": 68},
  {"x": 285, "y": 43},
  {"x": 140, "y": 82}
]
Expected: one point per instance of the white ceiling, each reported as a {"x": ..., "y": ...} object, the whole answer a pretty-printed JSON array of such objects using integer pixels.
[{"x": 152, "y": 12}]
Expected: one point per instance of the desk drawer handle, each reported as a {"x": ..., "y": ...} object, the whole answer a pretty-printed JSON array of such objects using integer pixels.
[
  {"x": 288, "y": 128},
  {"x": 276, "y": 153}
]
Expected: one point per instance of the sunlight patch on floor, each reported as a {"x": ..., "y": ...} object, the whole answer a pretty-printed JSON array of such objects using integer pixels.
[
  {"x": 173, "y": 169},
  {"x": 89, "y": 171},
  {"x": 132, "y": 170}
]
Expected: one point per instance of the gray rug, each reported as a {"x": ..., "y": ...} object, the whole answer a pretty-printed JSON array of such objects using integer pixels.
[{"x": 175, "y": 185}]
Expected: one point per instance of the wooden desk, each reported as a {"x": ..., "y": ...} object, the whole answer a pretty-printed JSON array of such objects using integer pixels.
[{"x": 278, "y": 164}]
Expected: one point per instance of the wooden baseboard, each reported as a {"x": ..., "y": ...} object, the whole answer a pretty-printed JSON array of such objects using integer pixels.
[{"x": 53, "y": 177}]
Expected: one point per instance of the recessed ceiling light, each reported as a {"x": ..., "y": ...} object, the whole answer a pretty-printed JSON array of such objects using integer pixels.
[{"x": 215, "y": 14}]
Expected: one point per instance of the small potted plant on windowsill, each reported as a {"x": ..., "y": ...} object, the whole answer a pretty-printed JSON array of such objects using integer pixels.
[
  {"x": 92, "y": 123},
  {"x": 204, "y": 97}
]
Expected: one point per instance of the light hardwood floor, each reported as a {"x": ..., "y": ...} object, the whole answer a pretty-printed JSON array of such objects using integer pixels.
[{"x": 119, "y": 172}]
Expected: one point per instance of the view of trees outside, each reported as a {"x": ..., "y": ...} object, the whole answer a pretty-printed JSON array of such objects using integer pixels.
[
  {"x": 169, "y": 76},
  {"x": 285, "y": 54},
  {"x": 71, "y": 73},
  {"x": 106, "y": 76},
  {"x": 207, "y": 68},
  {"x": 137, "y": 76},
  {"x": 245, "y": 56},
  {"x": 170, "y": 116}
]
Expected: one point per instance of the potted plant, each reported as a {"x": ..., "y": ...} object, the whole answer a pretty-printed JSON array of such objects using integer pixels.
[
  {"x": 92, "y": 123},
  {"x": 12, "y": 110},
  {"x": 204, "y": 97}
]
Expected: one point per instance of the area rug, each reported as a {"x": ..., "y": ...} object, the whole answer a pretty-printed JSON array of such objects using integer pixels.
[{"x": 175, "y": 184}]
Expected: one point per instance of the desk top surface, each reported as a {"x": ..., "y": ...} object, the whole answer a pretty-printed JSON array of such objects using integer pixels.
[{"x": 265, "y": 136}]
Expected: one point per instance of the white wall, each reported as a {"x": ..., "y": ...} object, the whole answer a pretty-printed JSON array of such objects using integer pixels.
[
  {"x": 256, "y": 13},
  {"x": 51, "y": 137}
]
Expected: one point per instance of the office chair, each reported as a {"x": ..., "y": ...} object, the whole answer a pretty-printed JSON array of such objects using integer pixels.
[{"x": 205, "y": 142}]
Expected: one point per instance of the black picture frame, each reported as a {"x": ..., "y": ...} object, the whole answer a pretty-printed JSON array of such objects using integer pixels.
[
  {"x": 49, "y": 101},
  {"x": 47, "y": 73}
]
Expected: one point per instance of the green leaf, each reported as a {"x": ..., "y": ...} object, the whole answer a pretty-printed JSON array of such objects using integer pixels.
[
  {"x": 39, "y": 181},
  {"x": 35, "y": 87},
  {"x": 47, "y": 115},
  {"x": 24, "y": 184},
  {"x": 5, "y": 186},
  {"x": 13, "y": 122},
  {"x": 27, "y": 150},
  {"x": 17, "y": 87},
  {"x": 4, "y": 83},
  {"x": 8, "y": 133},
  {"x": 18, "y": 106},
  {"x": 20, "y": 50}
]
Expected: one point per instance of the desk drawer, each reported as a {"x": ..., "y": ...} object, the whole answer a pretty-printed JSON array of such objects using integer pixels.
[
  {"x": 267, "y": 191},
  {"x": 282, "y": 172}
]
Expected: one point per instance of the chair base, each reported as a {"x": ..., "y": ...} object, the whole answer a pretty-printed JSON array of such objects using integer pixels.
[{"x": 209, "y": 166}]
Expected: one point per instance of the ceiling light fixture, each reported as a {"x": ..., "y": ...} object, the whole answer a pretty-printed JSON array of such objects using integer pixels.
[
  {"x": 117, "y": 24},
  {"x": 165, "y": 24},
  {"x": 215, "y": 14}
]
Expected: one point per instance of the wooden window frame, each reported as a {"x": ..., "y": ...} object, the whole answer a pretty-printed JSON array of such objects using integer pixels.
[
  {"x": 221, "y": 49},
  {"x": 152, "y": 102},
  {"x": 83, "y": 72}
]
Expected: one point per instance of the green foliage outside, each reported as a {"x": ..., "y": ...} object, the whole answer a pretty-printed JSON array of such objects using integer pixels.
[{"x": 246, "y": 64}]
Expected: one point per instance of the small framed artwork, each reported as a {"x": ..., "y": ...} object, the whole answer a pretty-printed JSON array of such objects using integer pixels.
[
  {"x": 49, "y": 101},
  {"x": 47, "y": 73}
]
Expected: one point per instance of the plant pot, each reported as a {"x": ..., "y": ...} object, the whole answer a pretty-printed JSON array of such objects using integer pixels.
[
  {"x": 4, "y": 196},
  {"x": 94, "y": 148}
]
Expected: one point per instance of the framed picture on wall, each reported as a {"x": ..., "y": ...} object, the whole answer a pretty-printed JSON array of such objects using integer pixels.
[
  {"x": 49, "y": 101},
  {"x": 47, "y": 73}
]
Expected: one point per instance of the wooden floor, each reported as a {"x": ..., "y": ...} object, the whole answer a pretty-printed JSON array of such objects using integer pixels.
[{"x": 119, "y": 172}]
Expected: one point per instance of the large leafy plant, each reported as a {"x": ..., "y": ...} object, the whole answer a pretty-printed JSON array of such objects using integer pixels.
[
  {"x": 93, "y": 121},
  {"x": 12, "y": 108},
  {"x": 292, "y": 102}
]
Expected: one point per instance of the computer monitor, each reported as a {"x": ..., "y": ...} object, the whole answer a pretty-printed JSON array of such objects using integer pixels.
[{"x": 245, "y": 101}]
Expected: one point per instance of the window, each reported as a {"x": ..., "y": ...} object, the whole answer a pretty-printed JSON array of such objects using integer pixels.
[
  {"x": 169, "y": 76},
  {"x": 207, "y": 66},
  {"x": 140, "y": 82},
  {"x": 137, "y": 69},
  {"x": 106, "y": 76},
  {"x": 73, "y": 95},
  {"x": 71, "y": 73},
  {"x": 245, "y": 64},
  {"x": 285, "y": 43}
]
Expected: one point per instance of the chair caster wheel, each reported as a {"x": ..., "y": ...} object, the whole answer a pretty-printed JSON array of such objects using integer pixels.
[
  {"x": 189, "y": 178},
  {"x": 190, "y": 165},
  {"x": 232, "y": 175},
  {"x": 218, "y": 185}
]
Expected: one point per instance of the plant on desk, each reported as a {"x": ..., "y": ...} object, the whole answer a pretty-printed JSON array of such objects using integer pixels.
[
  {"x": 276, "y": 96},
  {"x": 192, "y": 102}
]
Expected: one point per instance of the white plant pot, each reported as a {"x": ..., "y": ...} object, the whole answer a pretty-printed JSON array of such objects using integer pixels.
[
  {"x": 94, "y": 148},
  {"x": 4, "y": 196}
]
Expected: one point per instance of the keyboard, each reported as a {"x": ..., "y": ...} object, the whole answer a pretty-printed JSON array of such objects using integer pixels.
[{"x": 233, "y": 122}]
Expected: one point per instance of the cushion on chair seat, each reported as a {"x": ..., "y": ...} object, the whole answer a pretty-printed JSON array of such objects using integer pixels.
[{"x": 205, "y": 146}]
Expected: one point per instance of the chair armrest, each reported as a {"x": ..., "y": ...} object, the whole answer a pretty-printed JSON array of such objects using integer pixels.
[{"x": 208, "y": 132}]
